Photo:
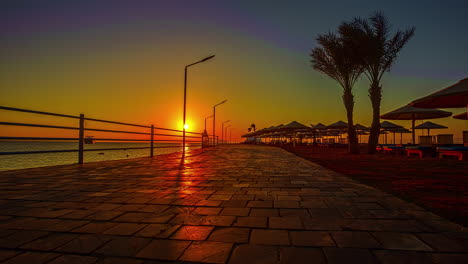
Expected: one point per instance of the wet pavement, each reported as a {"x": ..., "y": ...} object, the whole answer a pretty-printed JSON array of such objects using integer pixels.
[{"x": 233, "y": 204}]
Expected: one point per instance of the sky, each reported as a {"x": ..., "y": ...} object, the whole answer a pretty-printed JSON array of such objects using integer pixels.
[{"x": 124, "y": 60}]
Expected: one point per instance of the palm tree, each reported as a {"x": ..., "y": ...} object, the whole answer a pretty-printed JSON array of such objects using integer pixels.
[
  {"x": 335, "y": 58},
  {"x": 377, "y": 51},
  {"x": 253, "y": 127},
  {"x": 249, "y": 129}
]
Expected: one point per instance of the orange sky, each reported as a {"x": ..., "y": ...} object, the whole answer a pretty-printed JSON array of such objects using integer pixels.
[{"x": 131, "y": 70}]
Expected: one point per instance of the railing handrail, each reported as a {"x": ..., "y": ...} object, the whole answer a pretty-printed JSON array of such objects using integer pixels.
[
  {"x": 81, "y": 128},
  {"x": 35, "y": 112},
  {"x": 87, "y": 118}
]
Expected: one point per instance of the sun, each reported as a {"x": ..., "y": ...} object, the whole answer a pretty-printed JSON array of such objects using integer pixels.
[{"x": 186, "y": 126}]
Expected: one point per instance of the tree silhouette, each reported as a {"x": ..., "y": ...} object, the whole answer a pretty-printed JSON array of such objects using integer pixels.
[
  {"x": 249, "y": 129},
  {"x": 335, "y": 58},
  {"x": 253, "y": 127},
  {"x": 370, "y": 39}
]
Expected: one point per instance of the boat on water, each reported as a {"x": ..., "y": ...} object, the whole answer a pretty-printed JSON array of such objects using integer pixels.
[{"x": 89, "y": 140}]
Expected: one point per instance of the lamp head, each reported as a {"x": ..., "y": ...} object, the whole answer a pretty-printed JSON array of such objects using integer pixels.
[
  {"x": 221, "y": 103},
  {"x": 208, "y": 58}
]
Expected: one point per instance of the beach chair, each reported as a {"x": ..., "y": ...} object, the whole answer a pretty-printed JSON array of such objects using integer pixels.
[
  {"x": 421, "y": 151},
  {"x": 394, "y": 150},
  {"x": 459, "y": 152}
]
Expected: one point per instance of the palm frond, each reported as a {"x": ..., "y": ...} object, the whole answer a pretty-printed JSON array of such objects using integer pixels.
[{"x": 335, "y": 58}]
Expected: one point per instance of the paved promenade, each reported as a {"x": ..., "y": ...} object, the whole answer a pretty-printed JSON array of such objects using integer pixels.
[{"x": 234, "y": 204}]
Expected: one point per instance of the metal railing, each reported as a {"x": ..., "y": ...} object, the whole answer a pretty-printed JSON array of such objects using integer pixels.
[{"x": 196, "y": 139}]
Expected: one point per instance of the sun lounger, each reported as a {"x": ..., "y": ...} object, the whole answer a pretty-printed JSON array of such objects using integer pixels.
[
  {"x": 460, "y": 152},
  {"x": 397, "y": 150},
  {"x": 419, "y": 150},
  {"x": 380, "y": 147}
]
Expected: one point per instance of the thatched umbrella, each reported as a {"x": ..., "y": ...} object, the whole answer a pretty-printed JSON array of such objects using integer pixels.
[
  {"x": 318, "y": 127},
  {"x": 463, "y": 116},
  {"x": 340, "y": 125},
  {"x": 275, "y": 131},
  {"x": 429, "y": 125},
  {"x": 268, "y": 131},
  {"x": 401, "y": 131},
  {"x": 388, "y": 126},
  {"x": 360, "y": 130},
  {"x": 360, "y": 127},
  {"x": 259, "y": 134},
  {"x": 409, "y": 112},
  {"x": 455, "y": 96},
  {"x": 292, "y": 127}
]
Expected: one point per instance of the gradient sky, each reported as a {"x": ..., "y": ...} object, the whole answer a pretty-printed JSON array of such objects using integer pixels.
[{"x": 124, "y": 60}]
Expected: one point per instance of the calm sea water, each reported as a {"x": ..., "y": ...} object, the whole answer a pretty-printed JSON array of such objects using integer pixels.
[{"x": 12, "y": 162}]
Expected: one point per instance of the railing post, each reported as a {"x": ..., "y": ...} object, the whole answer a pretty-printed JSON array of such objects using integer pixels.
[
  {"x": 202, "y": 141},
  {"x": 81, "y": 140},
  {"x": 152, "y": 141}
]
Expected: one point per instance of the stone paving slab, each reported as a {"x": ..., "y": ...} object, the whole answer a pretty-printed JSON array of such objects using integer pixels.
[{"x": 233, "y": 204}]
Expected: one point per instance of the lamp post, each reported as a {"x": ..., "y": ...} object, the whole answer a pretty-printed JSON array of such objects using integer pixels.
[
  {"x": 214, "y": 121},
  {"x": 185, "y": 98},
  {"x": 230, "y": 135},
  {"x": 222, "y": 131},
  {"x": 225, "y": 129},
  {"x": 205, "y": 121},
  {"x": 205, "y": 131}
]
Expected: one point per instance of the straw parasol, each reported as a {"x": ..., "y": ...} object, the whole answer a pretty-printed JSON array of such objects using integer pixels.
[
  {"x": 463, "y": 116},
  {"x": 338, "y": 125},
  {"x": 455, "y": 96},
  {"x": 409, "y": 112},
  {"x": 360, "y": 127},
  {"x": 429, "y": 125},
  {"x": 275, "y": 131},
  {"x": 294, "y": 125},
  {"x": 360, "y": 131},
  {"x": 388, "y": 126},
  {"x": 318, "y": 127},
  {"x": 401, "y": 131}
]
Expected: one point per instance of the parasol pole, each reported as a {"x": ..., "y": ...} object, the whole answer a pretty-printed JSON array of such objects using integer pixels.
[{"x": 412, "y": 124}]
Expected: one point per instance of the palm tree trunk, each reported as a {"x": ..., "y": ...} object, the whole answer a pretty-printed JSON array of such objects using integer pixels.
[
  {"x": 375, "y": 94},
  {"x": 348, "y": 100}
]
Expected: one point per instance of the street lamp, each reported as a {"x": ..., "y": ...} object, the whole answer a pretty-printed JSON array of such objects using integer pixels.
[
  {"x": 225, "y": 129},
  {"x": 185, "y": 98},
  {"x": 205, "y": 131},
  {"x": 214, "y": 121},
  {"x": 222, "y": 131},
  {"x": 230, "y": 135},
  {"x": 205, "y": 122}
]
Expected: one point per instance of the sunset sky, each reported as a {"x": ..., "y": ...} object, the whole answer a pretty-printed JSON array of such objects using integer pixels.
[{"x": 124, "y": 60}]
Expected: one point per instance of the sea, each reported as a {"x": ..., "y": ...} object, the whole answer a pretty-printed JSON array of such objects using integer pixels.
[{"x": 23, "y": 161}]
